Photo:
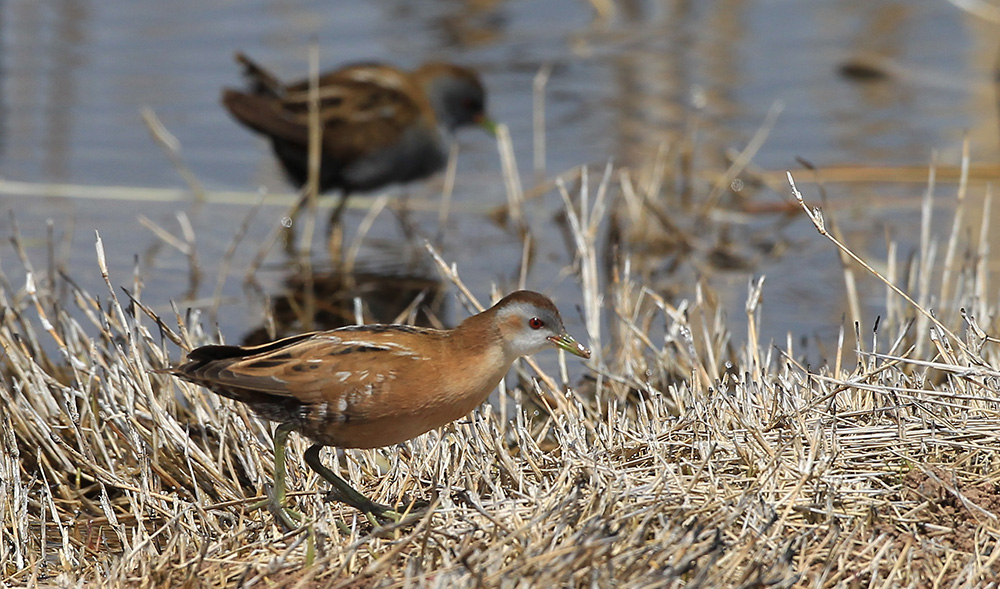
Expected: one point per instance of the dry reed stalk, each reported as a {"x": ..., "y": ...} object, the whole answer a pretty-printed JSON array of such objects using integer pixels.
[{"x": 172, "y": 148}]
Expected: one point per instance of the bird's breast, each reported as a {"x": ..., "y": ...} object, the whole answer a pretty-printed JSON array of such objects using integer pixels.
[{"x": 417, "y": 153}]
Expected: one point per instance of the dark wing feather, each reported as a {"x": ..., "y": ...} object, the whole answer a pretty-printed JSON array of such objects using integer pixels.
[
  {"x": 263, "y": 114},
  {"x": 261, "y": 80}
]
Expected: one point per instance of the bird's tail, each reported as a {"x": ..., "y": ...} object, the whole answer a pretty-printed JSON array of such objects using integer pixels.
[{"x": 261, "y": 80}]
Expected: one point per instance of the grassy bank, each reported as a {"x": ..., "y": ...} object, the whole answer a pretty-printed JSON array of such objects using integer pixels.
[{"x": 682, "y": 458}]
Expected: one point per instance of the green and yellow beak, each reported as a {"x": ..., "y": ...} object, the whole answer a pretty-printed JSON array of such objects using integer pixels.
[{"x": 566, "y": 342}]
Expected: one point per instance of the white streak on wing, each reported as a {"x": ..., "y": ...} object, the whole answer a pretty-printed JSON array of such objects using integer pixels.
[
  {"x": 403, "y": 350},
  {"x": 342, "y": 404},
  {"x": 398, "y": 349},
  {"x": 367, "y": 344},
  {"x": 343, "y": 375},
  {"x": 378, "y": 77},
  {"x": 363, "y": 375}
]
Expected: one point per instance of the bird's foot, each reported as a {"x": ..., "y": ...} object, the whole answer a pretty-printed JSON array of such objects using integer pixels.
[
  {"x": 289, "y": 518},
  {"x": 378, "y": 514}
]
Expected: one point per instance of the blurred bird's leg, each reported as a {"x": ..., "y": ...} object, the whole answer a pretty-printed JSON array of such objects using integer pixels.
[
  {"x": 335, "y": 229},
  {"x": 337, "y": 212},
  {"x": 289, "y": 221},
  {"x": 404, "y": 215}
]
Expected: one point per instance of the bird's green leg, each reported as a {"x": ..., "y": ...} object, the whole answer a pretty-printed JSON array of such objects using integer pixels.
[
  {"x": 276, "y": 502},
  {"x": 344, "y": 492}
]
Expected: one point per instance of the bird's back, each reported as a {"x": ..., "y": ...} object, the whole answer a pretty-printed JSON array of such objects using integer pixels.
[{"x": 378, "y": 127}]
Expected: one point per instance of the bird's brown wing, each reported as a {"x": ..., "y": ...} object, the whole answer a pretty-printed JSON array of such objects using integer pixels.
[
  {"x": 313, "y": 368},
  {"x": 263, "y": 114},
  {"x": 362, "y": 108}
]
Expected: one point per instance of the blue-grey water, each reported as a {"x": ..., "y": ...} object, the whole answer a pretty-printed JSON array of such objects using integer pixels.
[{"x": 75, "y": 74}]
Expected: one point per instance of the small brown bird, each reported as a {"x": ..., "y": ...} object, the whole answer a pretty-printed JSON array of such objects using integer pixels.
[
  {"x": 368, "y": 386},
  {"x": 380, "y": 125}
]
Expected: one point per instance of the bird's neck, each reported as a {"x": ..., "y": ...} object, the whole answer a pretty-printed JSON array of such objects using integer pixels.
[
  {"x": 476, "y": 351},
  {"x": 480, "y": 336}
]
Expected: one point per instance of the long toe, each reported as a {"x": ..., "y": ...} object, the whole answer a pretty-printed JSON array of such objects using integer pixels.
[
  {"x": 409, "y": 511},
  {"x": 405, "y": 514},
  {"x": 365, "y": 505},
  {"x": 286, "y": 516}
]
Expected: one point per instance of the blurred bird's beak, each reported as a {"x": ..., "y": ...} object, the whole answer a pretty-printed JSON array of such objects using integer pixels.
[{"x": 488, "y": 124}]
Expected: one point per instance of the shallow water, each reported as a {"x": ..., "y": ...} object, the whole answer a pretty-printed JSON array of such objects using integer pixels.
[{"x": 74, "y": 76}]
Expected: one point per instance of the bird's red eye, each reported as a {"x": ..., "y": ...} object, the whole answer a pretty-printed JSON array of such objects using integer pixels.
[{"x": 535, "y": 323}]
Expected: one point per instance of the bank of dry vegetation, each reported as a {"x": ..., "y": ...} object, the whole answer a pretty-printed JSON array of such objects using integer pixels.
[{"x": 677, "y": 458}]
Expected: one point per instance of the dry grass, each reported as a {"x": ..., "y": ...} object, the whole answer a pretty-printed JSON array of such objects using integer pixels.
[{"x": 684, "y": 460}]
